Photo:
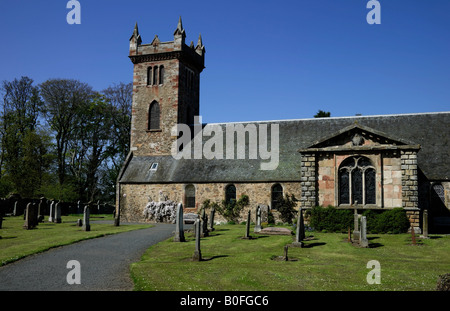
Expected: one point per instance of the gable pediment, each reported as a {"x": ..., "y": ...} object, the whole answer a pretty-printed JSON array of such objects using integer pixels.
[{"x": 359, "y": 137}]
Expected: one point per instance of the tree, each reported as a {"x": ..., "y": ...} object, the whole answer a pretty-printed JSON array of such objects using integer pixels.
[
  {"x": 25, "y": 147},
  {"x": 62, "y": 101},
  {"x": 322, "y": 114}
]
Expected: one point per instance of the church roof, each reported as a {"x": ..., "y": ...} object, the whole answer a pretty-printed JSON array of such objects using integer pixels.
[{"x": 429, "y": 130}]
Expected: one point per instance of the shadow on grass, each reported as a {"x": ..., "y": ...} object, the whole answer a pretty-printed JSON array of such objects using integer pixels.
[
  {"x": 310, "y": 245},
  {"x": 214, "y": 257}
]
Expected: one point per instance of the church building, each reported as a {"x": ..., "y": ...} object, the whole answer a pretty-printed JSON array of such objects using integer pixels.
[{"x": 364, "y": 162}]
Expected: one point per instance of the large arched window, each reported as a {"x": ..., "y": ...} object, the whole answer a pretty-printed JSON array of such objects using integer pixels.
[
  {"x": 230, "y": 194},
  {"x": 357, "y": 181},
  {"x": 189, "y": 194},
  {"x": 276, "y": 195},
  {"x": 153, "y": 116}
]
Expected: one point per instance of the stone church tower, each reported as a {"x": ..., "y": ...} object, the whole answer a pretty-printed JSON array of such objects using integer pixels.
[{"x": 166, "y": 89}]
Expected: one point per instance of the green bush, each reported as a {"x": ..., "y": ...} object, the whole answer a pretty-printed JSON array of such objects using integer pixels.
[
  {"x": 286, "y": 207},
  {"x": 330, "y": 219},
  {"x": 390, "y": 221}
]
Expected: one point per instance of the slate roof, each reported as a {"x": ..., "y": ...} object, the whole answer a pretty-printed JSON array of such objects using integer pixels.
[{"x": 430, "y": 130}]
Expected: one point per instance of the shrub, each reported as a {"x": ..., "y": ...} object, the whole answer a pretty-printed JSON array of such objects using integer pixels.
[
  {"x": 230, "y": 211},
  {"x": 392, "y": 221},
  {"x": 330, "y": 219},
  {"x": 286, "y": 208}
]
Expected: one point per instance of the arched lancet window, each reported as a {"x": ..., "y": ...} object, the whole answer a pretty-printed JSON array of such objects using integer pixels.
[
  {"x": 153, "y": 116},
  {"x": 230, "y": 194},
  {"x": 189, "y": 193},
  {"x": 276, "y": 195},
  {"x": 155, "y": 75},
  {"x": 357, "y": 181},
  {"x": 149, "y": 76},
  {"x": 161, "y": 74}
]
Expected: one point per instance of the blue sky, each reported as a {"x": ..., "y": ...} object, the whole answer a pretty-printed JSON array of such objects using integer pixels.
[{"x": 265, "y": 60}]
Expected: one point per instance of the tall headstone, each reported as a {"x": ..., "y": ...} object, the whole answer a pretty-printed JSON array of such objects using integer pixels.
[
  {"x": 79, "y": 207},
  {"x": 179, "y": 230},
  {"x": 197, "y": 253},
  {"x": 264, "y": 213},
  {"x": 425, "y": 224},
  {"x": 364, "y": 242},
  {"x": 16, "y": 209},
  {"x": 300, "y": 234},
  {"x": 356, "y": 233},
  {"x": 41, "y": 209},
  {"x": 258, "y": 220},
  {"x": 247, "y": 227},
  {"x": 204, "y": 224},
  {"x": 31, "y": 216},
  {"x": 211, "y": 219},
  {"x": 86, "y": 215},
  {"x": 52, "y": 211},
  {"x": 57, "y": 218}
]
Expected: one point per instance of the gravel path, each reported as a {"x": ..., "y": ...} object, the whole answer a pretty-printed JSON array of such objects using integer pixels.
[{"x": 104, "y": 263}]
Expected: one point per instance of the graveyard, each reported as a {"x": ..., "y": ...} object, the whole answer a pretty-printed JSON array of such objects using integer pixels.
[
  {"x": 326, "y": 261},
  {"x": 18, "y": 242}
]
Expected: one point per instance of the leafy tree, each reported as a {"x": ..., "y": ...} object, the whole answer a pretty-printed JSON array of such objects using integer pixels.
[
  {"x": 322, "y": 114},
  {"x": 25, "y": 147},
  {"x": 63, "y": 99},
  {"x": 286, "y": 207}
]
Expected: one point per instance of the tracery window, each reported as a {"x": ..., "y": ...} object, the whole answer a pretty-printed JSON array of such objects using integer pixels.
[{"x": 357, "y": 181}]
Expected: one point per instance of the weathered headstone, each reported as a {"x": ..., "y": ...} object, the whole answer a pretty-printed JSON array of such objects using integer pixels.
[
  {"x": 79, "y": 223},
  {"x": 211, "y": 219},
  {"x": 197, "y": 253},
  {"x": 247, "y": 227},
  {"x": 425, "y": 225},
  {"x": 300, "y": 234},
  {"x": 16, "y": 209},
  {"x": 364, "y": 242},
  {"x": 356, "y": 233},
  {"x": 86, "y": 224},
  {"x": 52, "y": 211},
  {"x": 31, "y": 217},
  {"x": 41, "y": 209},
  {"x": 258, "y": 220},
  {"x": 204, "y": 224},
  {"x": 57, "y": 218},
  {"x": 264, "y": 212},
  {"x": 179, "y": 230},
  {"x": 286, "y": 249}
]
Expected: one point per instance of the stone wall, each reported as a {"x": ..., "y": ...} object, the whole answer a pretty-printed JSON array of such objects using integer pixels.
[{"x": 134, "y": 197}]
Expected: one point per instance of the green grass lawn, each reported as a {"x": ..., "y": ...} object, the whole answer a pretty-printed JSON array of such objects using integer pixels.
[
  {"x": 328, "y": 262},
  {"x": 16, "y": 242}
]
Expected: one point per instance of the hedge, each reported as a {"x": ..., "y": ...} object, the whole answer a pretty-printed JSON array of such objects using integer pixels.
[{"x": 331, "y": 219}]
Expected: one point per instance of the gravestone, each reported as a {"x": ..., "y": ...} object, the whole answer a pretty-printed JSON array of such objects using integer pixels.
[
  {"x": 179, "y": 230},
  {"x": 247, "y": 227},
  {"x": 364, "y": 242},
  {"x": 300, "y": 234},
  {"x": 286, "y": 249},
  {"x": 211, "y": 220},
  {"x": 41, "y": 209},
  {"x": 425, "y": 224},
  {"x": 52, "y": 211},
  {"x": 79, "y": 207},
  {"x": 356, "y": 233},
  {"x": 31, "y": 216},
  {"x": 57, "y": 218},
  {"x": 258, "y": 220},
  {"x": 86, "y": 215},
  {"x": 264, "y": 213},
  {"x": 16, "y": 209},
  {"x": 204, "y": 224},
  {"x": 197, "y": 253},
  {"x": 79, "y": 223}
]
